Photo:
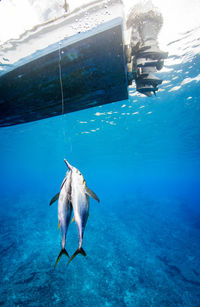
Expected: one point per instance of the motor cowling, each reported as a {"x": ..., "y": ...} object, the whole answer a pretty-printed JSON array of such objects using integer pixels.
[{"x": 144, "y": 57}]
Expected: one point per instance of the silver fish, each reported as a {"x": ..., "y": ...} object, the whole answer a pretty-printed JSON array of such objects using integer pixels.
[
  {"x": 80, "y": 203},
  {"x": 64, "y": 210},
  {"x": 74, "y": 194}
]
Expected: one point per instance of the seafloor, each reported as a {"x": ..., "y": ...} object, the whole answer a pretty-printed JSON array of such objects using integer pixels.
[{"x": 141, "y": 252}]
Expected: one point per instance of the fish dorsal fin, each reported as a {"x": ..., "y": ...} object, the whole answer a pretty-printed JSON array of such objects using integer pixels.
[
  {"x": 72, "y": 220},
  {"x": 54, "y": 199},
  {"x": 92, "y": 194}
]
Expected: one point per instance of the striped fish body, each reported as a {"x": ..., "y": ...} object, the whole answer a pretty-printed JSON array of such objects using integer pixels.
[
  {"x": 64, "y": 206},
  {"x": 80, "y": 203}
]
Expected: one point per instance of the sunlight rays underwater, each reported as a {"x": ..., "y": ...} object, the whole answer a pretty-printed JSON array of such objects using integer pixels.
[{"x": 141, "y": 157}]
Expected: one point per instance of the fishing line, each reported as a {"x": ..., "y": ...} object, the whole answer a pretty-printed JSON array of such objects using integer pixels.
[
  {"x": 60, "y": 77},
  {"x": 62, "y": 102}
]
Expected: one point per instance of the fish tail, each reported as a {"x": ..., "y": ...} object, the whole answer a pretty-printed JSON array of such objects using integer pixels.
[
  {"x": 63, "y": 251},
  {"x": 80, "y": 250}
]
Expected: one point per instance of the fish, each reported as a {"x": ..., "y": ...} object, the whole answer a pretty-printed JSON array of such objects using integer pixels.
[
  {"x": 80, "y": 202},
  {"x": 64, "y": 211},
  {"x": 73, "y": 196}
]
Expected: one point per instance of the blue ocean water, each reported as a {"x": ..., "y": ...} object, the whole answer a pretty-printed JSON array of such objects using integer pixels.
[{"x": 141, "y": 157}]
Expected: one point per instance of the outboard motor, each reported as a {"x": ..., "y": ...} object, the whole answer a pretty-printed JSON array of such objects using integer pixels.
[{"x": 143, "y": 54}]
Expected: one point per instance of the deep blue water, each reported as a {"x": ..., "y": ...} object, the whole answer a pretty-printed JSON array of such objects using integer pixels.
[{"x": 142, "y": 158}]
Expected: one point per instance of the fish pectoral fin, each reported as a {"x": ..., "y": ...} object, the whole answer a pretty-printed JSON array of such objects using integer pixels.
[
  {"x": 78, "y": 251},
  {"x": 72, "y": 220},
  {"x": 58, "y": 225},
  {"x": 63, "y": 251},
  {"x": 54, "y": 199},
  {"x": 63, "y": 183},
  {"x": 92, "y": 194}
]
